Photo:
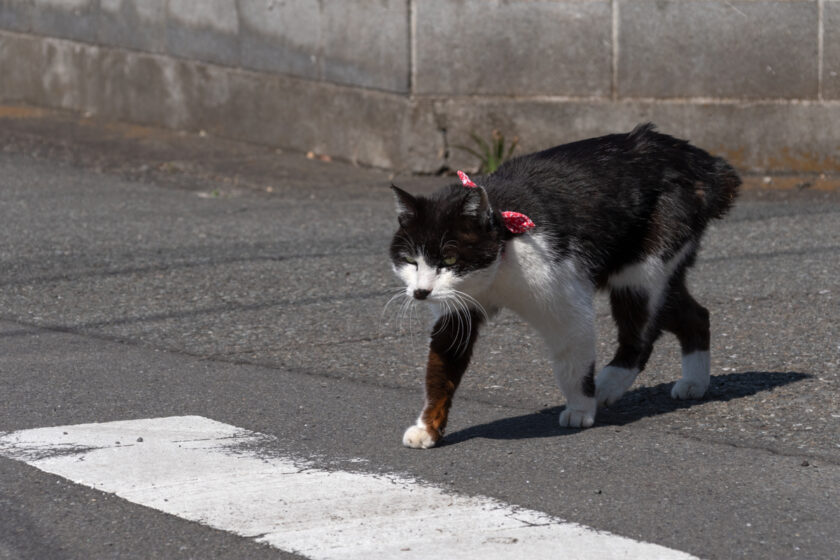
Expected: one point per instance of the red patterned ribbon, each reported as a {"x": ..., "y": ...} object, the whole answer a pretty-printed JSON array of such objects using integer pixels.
[{"x": 514, "y": 221}]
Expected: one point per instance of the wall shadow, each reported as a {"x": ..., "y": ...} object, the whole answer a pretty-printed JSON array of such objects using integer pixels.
[{"x": 634, "y": 405}]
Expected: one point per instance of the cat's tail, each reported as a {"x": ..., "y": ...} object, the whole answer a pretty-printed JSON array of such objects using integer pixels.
[
  {"x": 723, "y": 186},
  {"x": 711, "y": 177}
]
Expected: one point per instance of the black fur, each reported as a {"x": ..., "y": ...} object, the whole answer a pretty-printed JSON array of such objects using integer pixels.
[
  {"x": 613, "y": 199},
  {"x": 439, "y": 227},
  {"x": 588, "y": 385},
  {"x": 601, "y": 205},
  {"x": 618, "y": 197},
  {"x": 630, "y": 310}
]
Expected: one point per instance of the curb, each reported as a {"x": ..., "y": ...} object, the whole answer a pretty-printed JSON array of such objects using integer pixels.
[{"x": 80, "y": 137}]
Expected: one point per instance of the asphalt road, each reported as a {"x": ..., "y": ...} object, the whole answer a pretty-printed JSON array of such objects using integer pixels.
[{"x": 147, "y": 274}]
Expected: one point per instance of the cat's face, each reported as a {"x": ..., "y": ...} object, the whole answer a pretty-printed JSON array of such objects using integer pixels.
[{"x": 446, "y": 246}]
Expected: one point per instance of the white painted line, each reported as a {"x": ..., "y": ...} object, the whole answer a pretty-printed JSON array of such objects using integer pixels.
[{"x": 221, "y": 476}]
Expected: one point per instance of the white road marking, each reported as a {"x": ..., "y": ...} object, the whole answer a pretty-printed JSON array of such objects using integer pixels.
[{"x": 222, "y": 476}]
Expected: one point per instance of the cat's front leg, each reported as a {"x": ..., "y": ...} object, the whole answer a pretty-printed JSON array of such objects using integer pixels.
[
  {"x": 573, "y": 359},
  {"x": 577, "y": 381},
  {"x": 450, "y": 350}
]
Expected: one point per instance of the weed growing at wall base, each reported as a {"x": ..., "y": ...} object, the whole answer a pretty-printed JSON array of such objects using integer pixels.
[{"x": 490, "y": 154}]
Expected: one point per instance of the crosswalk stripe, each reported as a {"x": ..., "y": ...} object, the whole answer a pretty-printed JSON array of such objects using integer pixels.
[{"x": 229, "y": 478}]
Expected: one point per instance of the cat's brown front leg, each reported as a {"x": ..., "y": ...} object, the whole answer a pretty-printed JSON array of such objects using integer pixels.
[{"x": 450, "y": 350}]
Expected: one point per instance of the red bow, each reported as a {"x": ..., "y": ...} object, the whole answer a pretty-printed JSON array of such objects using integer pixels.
[
  {"x": 514, "y": 221},
  {"x": 465, "y": 180}
]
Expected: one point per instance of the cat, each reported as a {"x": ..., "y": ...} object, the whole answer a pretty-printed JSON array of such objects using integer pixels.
[{"x": 622, "y": 213}]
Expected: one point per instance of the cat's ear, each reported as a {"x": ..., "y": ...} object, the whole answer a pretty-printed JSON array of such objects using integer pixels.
[
  {"x": 476, "y": 203},
  {"x": 406, "y": 204}
]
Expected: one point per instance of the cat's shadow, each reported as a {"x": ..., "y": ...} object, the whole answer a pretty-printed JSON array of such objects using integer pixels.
[{"x": 634, "y": 405}]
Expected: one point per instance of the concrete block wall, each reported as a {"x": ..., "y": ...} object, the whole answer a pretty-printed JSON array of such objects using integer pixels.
[{"x": 401, "y": 83}]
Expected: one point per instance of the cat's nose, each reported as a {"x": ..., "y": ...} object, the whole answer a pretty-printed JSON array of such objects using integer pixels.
[{"x": 421, "y": 294}]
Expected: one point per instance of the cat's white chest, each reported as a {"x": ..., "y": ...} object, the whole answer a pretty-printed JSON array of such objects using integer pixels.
[{"x": 533, "y": 284}]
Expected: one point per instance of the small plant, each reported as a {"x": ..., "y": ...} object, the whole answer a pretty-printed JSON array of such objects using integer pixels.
[{"x": 491, "y": 154}]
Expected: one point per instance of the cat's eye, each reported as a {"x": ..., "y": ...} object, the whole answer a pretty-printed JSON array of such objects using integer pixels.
[
  {"x": 449, "y": 261},
  {"x": 409, "y": 260}
]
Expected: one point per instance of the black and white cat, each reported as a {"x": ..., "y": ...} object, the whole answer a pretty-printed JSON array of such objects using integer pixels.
[{"x": 623, "y": 213}]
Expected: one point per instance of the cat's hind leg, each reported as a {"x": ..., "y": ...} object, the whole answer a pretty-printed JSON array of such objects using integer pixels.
[
  {"x": 631, "y": 309},
  {"x": 450, "y": 350},
  {"x": 637, "y": 295},
  {"x": 689, "y": 321}
]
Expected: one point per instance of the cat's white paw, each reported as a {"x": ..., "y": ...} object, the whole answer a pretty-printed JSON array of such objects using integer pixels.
[
  {"x": 571, "y": 418},
  {"x": 418, "y": 437},
  {"x": 687, "y": 389},
  {"x": 695, "y": 376},
  {"x": 612, "y": 382}
]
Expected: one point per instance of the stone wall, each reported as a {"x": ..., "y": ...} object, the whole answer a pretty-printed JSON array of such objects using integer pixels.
[{"x": 400, "y": 83}]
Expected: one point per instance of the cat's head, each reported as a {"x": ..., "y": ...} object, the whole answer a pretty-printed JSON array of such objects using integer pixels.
[{"x": 447, "y": 244}]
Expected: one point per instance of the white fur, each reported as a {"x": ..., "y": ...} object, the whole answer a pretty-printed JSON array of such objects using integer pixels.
[
  {"x": 650, "y": 276},
  {"x": 569, "y": 369},
  {"x": 612, "y": 382},
  {"x": 442, "y": 283},
  {"x": 541, "y": 290},
  {"x": 577, "y": 418},
  {"x": 406, "y": 273},
  {"x": 695, "y": 376},
  {"x": 418, "y": 437},
  {"x": 420, "y": 276},
  {"x": 556, "y": 299},
  {"x": 639, "y": 275},
  {"x": 425, "y": 275}
]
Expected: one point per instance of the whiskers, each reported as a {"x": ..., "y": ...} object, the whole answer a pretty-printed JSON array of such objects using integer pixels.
[
  {"x": 454, "y": 313},
  {"x": 471, "y": 303},
  {"x": 456, "y": 319},
  {"x": 405, "y": 311}
]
